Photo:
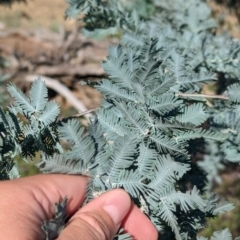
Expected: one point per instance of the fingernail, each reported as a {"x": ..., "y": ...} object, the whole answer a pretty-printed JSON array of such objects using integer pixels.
[{"x": 117, "y": 206}]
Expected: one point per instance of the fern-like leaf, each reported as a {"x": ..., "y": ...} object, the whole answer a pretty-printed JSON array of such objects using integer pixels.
[
  {"x": 166, "y": 83},
  {"x": 183, "y": 136},
  {"x": 21, "y": 100},
  {"x": 82, "y": 146},
  {"x": 166, "y": 213},
  {"x": 38, "y": 95},
  {"x": 164, "y": 103},
  {"x": 146, "y": 160},
  {"x": 233, "y": 91},
  {"x": 188, "y": 200},
  {"x": 167, "y": 172},
  {"x": 177, "y": 66},
  {"x": 223, "y": 207},
  {"x": 147, "y": 72},
  {"x": 118, "y": 71},
  {"x": 110, "y": 122},
  {"x": 222, "y": 235},
  {"x": 60, "y": 164},
  {"x": 122, "y": 156},
  {"x": 136, "y": 123},
  {"x": 131, "y": 181},
  {"x": 195, "y": 81},
  {"x": 194, "y": 114},
  {"x": 50, "y": 113},
  {"x": 111, "y": 90},
  {"x": 167, "y": 145}
]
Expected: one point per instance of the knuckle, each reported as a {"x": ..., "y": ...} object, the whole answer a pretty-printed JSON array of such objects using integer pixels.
[{"x": 98, "y": 224}]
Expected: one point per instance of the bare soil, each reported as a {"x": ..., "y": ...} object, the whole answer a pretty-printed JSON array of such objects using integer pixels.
[{"x": 36, "y": 14}]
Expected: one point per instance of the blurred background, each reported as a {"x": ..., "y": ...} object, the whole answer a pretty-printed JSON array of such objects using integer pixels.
[{"x": 37, "y": 40}]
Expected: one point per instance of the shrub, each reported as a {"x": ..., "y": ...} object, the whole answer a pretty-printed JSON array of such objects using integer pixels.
[{"x": 154, "y": 119}]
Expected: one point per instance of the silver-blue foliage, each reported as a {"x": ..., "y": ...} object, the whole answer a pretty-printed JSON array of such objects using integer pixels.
[{"x": 153, "y": 118}]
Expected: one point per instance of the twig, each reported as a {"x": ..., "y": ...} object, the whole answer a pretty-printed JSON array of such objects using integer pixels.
[
  {"x": 86, "y": 112},
  {"x": 90, "y": 69},
  {"x": 71, "y": 38},
  {"x": 62, "y": 90},
  {"x": 201, "y": 95}
]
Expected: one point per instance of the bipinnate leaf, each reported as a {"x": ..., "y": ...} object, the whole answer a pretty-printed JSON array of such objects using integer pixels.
[
  {"x": 38, "y": 95},
  {"x": 194, "y": 114},
  {"x": 22, "y": 101},
  {"x": 222, "y": 235},
  {"x": 223, "y": 207},
  {"x": 233, "y": 91},
  {"x": 50, "y": 113}
]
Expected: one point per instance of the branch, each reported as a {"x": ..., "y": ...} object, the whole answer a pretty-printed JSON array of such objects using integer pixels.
[
  {"x": 201, "y": 95},
  {"x": 64, "y": 91}
]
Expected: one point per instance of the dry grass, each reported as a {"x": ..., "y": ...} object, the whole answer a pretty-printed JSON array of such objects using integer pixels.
[{"x": 36, "y": 14}]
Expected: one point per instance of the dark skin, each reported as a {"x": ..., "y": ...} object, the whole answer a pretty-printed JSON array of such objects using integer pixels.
[{"x": 26, "y": 202}]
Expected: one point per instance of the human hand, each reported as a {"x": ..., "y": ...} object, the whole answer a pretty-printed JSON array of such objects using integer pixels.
[{"x": 26, "y": 202}]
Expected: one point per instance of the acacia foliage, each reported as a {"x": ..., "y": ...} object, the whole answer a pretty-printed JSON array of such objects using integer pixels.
[{"x": 152, "y": 120}]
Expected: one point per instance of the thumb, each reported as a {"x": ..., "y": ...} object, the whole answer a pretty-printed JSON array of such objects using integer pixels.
[{"x": 99, "y": 219}]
